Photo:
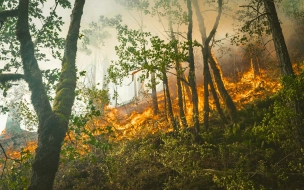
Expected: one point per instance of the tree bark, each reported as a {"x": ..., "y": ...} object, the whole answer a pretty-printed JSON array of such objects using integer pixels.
[
  {"x": 216, "y": 101},
  {"x": 206, "y": 53},
  {"x": 221, "y": 88},
  {"x": 285, "y": 66},
  {"x": 215, "y": 67},
  {"x": 179, "y": 75},
  {"x": 278, "y": 38},
  {"x": 168, "y": 101},
  {"x": 154, "y": 94},
  {"x": 207, "y": 76},
  {"x": 191, "y": 77},
  {"x": 53, "y": 124}
]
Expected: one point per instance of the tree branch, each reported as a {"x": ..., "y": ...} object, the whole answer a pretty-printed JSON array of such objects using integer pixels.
[
  {"x": 7, "y": 13},
  {"x": 32, "y": 73},
  {"x": 5, "y": 77},
  {"x": 6, "y": 158},
  {"x": 212, "y": 33},
  {"x": 65, "y": 91}
]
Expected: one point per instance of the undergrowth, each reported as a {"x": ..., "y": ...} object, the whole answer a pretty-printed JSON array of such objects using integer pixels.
[{"x": 263, "y": 150}]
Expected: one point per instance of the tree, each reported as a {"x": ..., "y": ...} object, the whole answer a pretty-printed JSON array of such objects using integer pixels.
[
  {"x": 179, "y": 76},
  {"x": 278, "y": 38},
  {"x": 191, "y": 77},
  {"x": 265, "y": 21},
  {"x": 173, "y": 13},
  {"x": 141, "y": 7},
  {"x": 53, "y": 120},
  {"x": 134, "y": 57},
  {"x": 216, "y": 70},
  {"x": 273, "y": 27}
]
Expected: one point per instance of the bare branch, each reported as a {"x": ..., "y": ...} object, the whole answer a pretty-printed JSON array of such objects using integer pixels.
[
  {"x": 256, "y": 18},
  {"x": 250, "y": 6}
]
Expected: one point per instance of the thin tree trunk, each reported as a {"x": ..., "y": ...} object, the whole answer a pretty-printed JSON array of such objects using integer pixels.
[
  {"x": 187, "y": 87},
  {"x": 169, "y": 104},
  {"x": 180, "y": 93},
  {"x": 206, "y": 53},
  {"x": 179, "y": 75},
  {"x": 207, "y": 77},
  {"x": 221, "y": 88},
  {"x": 215, "y": 67},
  {"x": 216, "y": 100},
  {"x": 154, "y": 94},
  {"x": 53, "y": 124},
  {"x": 191, "y": 77}
]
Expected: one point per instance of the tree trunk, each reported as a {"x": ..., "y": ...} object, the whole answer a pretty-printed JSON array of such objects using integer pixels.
[
  {"x": 278, "y": 38},
  {"x": 154, "y": 94},
  {"x": 168, "y": 101},
  {"x": 191, "y": 77},
  {"x": 254, "y": 62},
  {"x": 207, "y": 77},
  {"x": 215, "y": 67},
  {"x": 53, "y": 124},
  {"x": 179, "y": 75},
  {"x": 221, "y": 88},
  {"x": 285, "y": 66},
  {"x": 180, "y": 93},
  {"x": 216, "y": 100},
  {"x": 186, "y": 88}
]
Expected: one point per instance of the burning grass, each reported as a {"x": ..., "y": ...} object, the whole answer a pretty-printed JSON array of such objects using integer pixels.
[{"x": 136, "y": 119}]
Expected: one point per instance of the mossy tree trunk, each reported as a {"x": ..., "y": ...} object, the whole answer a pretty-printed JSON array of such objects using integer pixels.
[{"x": 53, "y": 122}]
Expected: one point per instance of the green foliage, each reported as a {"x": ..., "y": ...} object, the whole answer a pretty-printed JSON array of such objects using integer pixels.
[
  {"x": 171, "y": 10},
  {"x": 139, "y": 5},
  {"x": 293, "y": 8},
  {"x": 259, "y": 152},
  {"x": 16, "y": 174},
  {"x": 50, "y": 81},
  {"x": 254, "y": 24},
  {"x": 140, "y": 51},
  {"x": 98, "y": 32},
  {"x": 45, "y": 37}
]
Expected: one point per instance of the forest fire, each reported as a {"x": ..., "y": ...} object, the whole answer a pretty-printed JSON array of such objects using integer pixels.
[
  {"x": 136, "y": 119},
  {"x": 129, "y": 122},
  {"x": 164, "y": 95}
]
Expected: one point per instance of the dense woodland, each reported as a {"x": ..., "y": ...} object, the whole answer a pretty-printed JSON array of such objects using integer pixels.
[{"x": 221, "y": 104}]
